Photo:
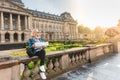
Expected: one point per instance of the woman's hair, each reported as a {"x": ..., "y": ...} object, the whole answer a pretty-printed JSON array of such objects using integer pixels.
[{"x": 34, "y": 32}]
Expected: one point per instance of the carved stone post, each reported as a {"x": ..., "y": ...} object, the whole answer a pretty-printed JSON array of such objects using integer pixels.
[
  {"x": 35, "y": 71},
  {"x": 64, "y": 61},
  {"x": 116, "y": 47},
  {"x": 57, "y": 65},
  {"x": 26, "y": 73},
  {"x": 50, "y": 66}
]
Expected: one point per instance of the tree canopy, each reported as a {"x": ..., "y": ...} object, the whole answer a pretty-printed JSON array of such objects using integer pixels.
[{"x": 84, "y": 29}]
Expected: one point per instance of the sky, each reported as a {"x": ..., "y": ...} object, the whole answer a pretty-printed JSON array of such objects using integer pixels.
[{"x": 90, "y": 13}]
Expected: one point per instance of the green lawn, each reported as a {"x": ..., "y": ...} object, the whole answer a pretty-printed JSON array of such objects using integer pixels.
[
  {"x": 52, "y": 47},
  {"x": 60, "y": 45}
]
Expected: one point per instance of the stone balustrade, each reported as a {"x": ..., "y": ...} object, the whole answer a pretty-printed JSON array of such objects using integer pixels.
[{"x": 56, "y": 62}]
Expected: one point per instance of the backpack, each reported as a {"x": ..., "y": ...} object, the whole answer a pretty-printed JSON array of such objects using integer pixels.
[{"x": 30, "y": 52}]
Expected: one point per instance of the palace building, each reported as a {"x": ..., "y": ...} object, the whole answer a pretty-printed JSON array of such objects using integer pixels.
[{"x": 17, "y": 22}]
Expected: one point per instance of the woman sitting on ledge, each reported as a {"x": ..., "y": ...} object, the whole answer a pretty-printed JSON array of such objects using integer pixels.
[{"x": 38, "y": 51}]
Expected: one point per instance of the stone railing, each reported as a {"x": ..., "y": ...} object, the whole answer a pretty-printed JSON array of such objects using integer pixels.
[{"x": 56, "y": 62}]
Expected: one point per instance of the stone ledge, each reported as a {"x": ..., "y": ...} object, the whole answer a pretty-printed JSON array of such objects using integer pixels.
[
  {"x": 4, "y": 58},
  {"x": 8, "y": 64}
]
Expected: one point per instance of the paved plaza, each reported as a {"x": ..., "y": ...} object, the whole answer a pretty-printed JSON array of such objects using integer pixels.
[{"x": 107, "y": 68}]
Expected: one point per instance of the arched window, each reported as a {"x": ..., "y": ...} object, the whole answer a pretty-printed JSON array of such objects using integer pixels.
[
  {"x": 23, "y": 36},
  {"x": 15, "y": 37},
  {"x": 7, "y": 37}
]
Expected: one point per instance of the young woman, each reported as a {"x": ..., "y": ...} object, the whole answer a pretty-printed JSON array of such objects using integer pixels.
[{"x": 38, "y": 51}]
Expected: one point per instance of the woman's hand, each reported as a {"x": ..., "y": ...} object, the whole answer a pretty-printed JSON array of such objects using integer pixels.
[
  {"x": 33, "y": 45},
  {"x": 42, "y": 47}
]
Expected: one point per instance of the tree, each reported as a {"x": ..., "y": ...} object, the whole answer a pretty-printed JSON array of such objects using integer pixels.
[
  {"x": 83, "y": 29},
  {"x": 99, "y": 32},
  {"x": 87, "y": 30}
]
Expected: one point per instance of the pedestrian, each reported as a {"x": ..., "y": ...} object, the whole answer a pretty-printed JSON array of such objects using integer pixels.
[{"x": 38, "y": 51}]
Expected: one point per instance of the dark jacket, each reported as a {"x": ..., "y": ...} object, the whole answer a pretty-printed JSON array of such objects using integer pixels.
[{"x": 32, "y": 41}]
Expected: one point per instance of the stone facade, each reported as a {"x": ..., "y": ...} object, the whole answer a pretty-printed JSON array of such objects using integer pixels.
[{"x": 17, "y": 22}]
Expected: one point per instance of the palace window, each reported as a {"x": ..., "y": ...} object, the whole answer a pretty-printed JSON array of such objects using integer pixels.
[
  {"x": 6, "y": 21},
  {"x": 14, "y": 24},
  {"x": 22, "y": 23}
]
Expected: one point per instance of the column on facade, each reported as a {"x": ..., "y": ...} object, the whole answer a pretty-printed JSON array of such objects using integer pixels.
[
  {"x": 11, "y": 37},
  {"x": 48, "y": 36},
  {"x": 43, "y": 34},
  {"x": 19, "y": 22},
  {"x": 2, "y": 21},
  {"x": 55, "y": 36},
  {"x": 26, "y": 23},
  {"x": 11, "y": 22},
  {"x": 39, "y": 26},
  {"x": 19, "y": 37},
  {"x": 59, "y": 36},
  {"x": 26, "y": 36},
  {"x": 29, "y": 21},
  {"x": 2, "y": 37},
  {"x": 35, "y": 24}
]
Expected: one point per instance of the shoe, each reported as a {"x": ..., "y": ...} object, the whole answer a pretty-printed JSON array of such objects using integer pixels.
[
  {"x": 42, "y": 68},
  {"x": 43, "y": 76}
]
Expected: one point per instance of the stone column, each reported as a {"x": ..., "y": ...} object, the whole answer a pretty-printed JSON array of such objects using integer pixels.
[
  {"x": 64, "y": 61},
  {"x": 39, "y": 26},
  {"x": 19, "y": 24},
  {"x": 29, "y": 23},
  {"x": 11, "y": 22},
  {"x": 2, "y": 37},
  {"x": 27, "y": 36},
  {"x": 26, "y": 23},
  {"x": 11, "y": 37},
  {"x": 19, "y": 37},
  {"x": 2, "y": 21},
  {"x": 35, "y": 24},
  {"x": 116, "y": 46}
]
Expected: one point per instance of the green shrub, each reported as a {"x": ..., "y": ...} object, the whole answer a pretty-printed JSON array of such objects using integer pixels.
[
  {"x": 31, "y": 65},
  {"x": 52, "y": 48}
]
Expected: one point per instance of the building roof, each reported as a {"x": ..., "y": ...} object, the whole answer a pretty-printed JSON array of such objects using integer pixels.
[
  {"x": 62, "y": 17},
  {"x": 46, "y": 15},
  {"x": 18, "y": 1}
]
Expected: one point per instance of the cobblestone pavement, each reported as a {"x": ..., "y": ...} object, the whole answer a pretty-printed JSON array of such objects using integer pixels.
[{"x": 107, "y": 68}]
